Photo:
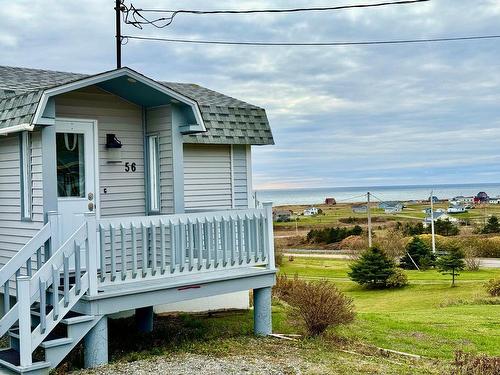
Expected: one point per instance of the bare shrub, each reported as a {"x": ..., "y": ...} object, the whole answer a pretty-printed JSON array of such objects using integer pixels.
[
  {"x": 278, "y": 257},
  {"x": 493, "y": 287},
  {"x": 318, "y": 305},
  {"x": 393, "y": 243},
  {"x": 355, "y": 244},
  {"x": 470, "y": 364}
]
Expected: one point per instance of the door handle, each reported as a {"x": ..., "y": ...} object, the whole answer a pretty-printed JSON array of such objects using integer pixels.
[
  {"x": 91, "y": 206},
  {"x": 90, "y": 196}
]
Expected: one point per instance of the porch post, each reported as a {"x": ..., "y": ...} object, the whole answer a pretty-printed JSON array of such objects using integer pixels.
[
  {"x": 49, "y": 170},
  {"x": 262, "y": 318},
  {"x": 268, "y": 207},
  {"x": 144, "y": 319},
  {"x": 95, "y": 345}
]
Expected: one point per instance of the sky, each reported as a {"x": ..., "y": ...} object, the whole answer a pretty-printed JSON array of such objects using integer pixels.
[{"x": 341, "y": 116}]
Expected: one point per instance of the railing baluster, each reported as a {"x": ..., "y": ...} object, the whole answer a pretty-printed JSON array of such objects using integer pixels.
[
  {"x": 112, "y": 254},
  {"x": 248, "y": 239},
  {"x": 199, "y": 230},
  {"x": 39, "y": 258},
  {"x": 123, "y": 252},
  {"x": 102, "y": 235},
  {"x": 43, "y": 306},
  {"x": 265, "y": 239},
  {"x": 134, "y": 250},
  {"x": 66, "y": 280},
  {"x": 55, "y": 292},
  {"x": 191, "y": 244},
  {"x": 145, "y": 250},
  {"x": 240, "y": 240},
  {"x": 232, "y": 239},
  {"x": 216, "y": 243},
  {"x": 6, "y": 297},
  {"x": 173, "y": 245},
  {"x": 223, "y": 241},
  {"x": 78, "y": 271},
  {"x": 257, "y": 237},
  {"x": 208, "y": 242},
  {"x": 182, "y": 242},
  {"x": 29, "y": 271},
  {"x": 154, "y": 262},
  {"x": 163, "y": 245}
]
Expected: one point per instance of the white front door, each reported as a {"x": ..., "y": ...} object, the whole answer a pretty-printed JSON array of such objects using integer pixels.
[{"x": 75, "y": 153}]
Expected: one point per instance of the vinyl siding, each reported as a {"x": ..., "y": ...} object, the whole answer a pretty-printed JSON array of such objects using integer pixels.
[
  {"x": 125, "y": 193},
  {"x": 212, "y": 180},
  {"x": 15, "y": 233},
  {"x": 159, "y": 122}
]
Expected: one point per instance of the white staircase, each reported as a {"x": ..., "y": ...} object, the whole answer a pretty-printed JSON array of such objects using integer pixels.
[{"x": 38, "y": 317}]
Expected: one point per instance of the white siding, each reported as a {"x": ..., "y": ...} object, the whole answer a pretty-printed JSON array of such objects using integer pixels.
[
  {"x": 159, "y": 121},
  {"x": 212, "y": 180},
  {"x": 125, "y": 193},
  {"x": 14, "y": 233}
]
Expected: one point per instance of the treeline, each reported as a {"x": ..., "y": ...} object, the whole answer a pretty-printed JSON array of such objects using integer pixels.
[
  {"x": 332, "y": 235},
  {"x": 441, "y": 227}
]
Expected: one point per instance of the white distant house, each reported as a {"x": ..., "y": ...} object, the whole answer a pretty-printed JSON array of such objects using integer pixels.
[
  {"x": 463, "y": 200},
  {"x": 439, "y": 215},
  {"x": 311, "y": 211},
  {"x": 495, "y": 200},
  {"x": 391, "y": 207},
  {"x": 360, "y": 209},
  {"x": 456, "y": 209}
]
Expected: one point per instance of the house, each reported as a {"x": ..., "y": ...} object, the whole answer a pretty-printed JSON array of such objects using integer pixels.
[
  {"x": 119, "y": 192},
  {"x": 456, "y": 209},
  {"x": 495, "y": 200},
  {"x": 391, "y": 207},
  {"x": 311, "y": 211},
  {"x": 463, "y": 200},
  {"x": 282, "y": 215},
  {"x": 481, "y": 197},
  {"x": 360, "y": 209},
  {"x": 438, "y": 215},
  {"x": 330, "y": 201}
]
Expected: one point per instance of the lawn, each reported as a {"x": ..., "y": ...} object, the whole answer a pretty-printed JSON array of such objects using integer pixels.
[{"x": 427, "y": 318}]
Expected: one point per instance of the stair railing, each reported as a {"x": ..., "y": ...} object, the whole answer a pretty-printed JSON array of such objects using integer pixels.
[
  {"x": 30, "y": 258},
  {"x": 59, "y": 281}
]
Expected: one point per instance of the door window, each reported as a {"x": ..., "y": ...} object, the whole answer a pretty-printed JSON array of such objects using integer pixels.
[{"x": 70, "y": 165}]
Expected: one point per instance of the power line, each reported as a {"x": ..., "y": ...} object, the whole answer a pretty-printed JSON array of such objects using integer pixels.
[
  {"x": 312, "y": 44},
  {"x": 133, "y": 16}
]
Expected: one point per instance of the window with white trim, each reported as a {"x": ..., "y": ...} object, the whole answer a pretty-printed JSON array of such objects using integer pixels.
[
  {"x": 154, "y": 173},
  {"x": 26, "y": 188}
]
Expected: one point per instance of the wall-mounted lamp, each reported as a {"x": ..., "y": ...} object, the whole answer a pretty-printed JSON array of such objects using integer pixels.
[{"x": 113, "y": 147}]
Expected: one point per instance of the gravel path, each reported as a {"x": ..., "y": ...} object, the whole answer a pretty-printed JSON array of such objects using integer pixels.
[{"x": 200, "y": 365}]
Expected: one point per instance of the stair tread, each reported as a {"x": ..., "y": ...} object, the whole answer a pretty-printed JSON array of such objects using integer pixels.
[
  {"x": 56, "y": 342},
  {"x": 9, "y": 358},
  {"x": 77, "y": 319},
  {"x": 50, "y": 337}
]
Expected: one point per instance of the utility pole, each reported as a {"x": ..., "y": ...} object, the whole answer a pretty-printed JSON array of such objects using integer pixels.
[
  {"x": 432, "y": 224},
  {"x": 118, "y": 8},
  {"x": 369, "y": 220}
]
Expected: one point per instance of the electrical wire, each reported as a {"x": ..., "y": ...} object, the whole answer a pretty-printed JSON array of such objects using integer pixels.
[
  {"x": 312, "y": 44},
  {"x": 133, "y": 16}
]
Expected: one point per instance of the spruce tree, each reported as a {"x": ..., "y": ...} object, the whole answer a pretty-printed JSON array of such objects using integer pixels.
[
  {"x": 451, "y": 263},
  {"x": 372, "y": 269},
  {"x": 492, "y": 226},
  {"x": 421, "y": 254}
]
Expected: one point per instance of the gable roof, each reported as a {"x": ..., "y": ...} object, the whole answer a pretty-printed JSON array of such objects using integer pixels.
[{"x": 227, "y": 120}]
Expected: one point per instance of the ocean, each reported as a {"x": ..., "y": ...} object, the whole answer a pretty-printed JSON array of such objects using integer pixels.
[{"x": 380, "y": 193}]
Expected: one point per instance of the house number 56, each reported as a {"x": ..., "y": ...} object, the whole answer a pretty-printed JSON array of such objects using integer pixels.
[{"x": 130, "y": 167}]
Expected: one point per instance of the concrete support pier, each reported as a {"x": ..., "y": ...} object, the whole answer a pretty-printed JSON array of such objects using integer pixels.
[
  {"x": 95, "y": 345},
  {"x": 262, "y": 317},
  {"x": 144, "y": 319}
]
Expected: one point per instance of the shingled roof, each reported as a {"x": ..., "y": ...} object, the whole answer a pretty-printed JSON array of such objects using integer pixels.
[{"x": 227, "y": 120}]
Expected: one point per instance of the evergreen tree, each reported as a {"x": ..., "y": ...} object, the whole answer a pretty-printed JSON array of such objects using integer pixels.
[
  {"x": 446, "y": 228},
  {"x": 372, "y": 269},
  {"x": 451, "y": 263},
  {"x": 421, "y": 254},
  {"x": 492, "y": 226}
]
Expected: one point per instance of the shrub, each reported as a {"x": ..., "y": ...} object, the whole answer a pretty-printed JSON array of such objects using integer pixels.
[
  {"x": 451, "y": 264},
  {"x": 492, "y": 226},
  {"x": 398, "y": 279},
  {"x": 493, "y": 287},
  {"x": 316, "y": 304},
  {"x": 417, "y": 251},
  {"x": 470, "y": 364},
  {"x": 393, "y": 243},
  {"x": 372, "y": 269},
  {"x": 332, "y": 235},
  {"x": 278, "y": 257}
]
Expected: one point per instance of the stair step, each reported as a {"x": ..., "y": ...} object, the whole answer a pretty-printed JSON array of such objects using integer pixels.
[
  {"x": 9, "y": 358},
  {"x": 74, "y": 318},
  {"x": 46, "y": 344},
  {"x": 49, "y": 341}
]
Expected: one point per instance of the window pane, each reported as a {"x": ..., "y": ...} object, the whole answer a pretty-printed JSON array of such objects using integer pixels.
[{"x": 70, "y": 165}]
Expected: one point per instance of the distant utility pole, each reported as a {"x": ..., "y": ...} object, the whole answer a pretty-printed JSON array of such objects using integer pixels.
[
  {"x": 369, "y": 219},
  {"x": 432, "y": 224},
  {"x": 118, "y": 9}
]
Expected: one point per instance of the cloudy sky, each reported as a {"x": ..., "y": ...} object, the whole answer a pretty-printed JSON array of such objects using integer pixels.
[{"x": 341, "y": 116}]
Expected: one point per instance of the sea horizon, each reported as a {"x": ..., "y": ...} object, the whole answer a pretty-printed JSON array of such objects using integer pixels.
[{"x": 351, "y": 194}]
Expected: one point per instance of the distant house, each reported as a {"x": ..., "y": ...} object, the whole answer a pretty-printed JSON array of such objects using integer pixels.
[
  {"x": 495, "y": 200},
  {"x": 360, "y": 209},
  {"x": 281, "y": 216},
  {"x": 462, "y": 200},
  {"x": 481, "y": 197},
  {"x": 311, "y": 211},
  {"x": 391, "y": 207},
  {"x": 456, "y": 209},
  {"x": 439, "y": 215},
  {"x": 330, "y": 201},
  {"x": 434, "y": 199}
]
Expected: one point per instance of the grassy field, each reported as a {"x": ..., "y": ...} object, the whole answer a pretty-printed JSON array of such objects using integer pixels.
[{"x": 427, "y": 318}]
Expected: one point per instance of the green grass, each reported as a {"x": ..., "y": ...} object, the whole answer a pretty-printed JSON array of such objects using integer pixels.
[{"x": 428, "y": 317}]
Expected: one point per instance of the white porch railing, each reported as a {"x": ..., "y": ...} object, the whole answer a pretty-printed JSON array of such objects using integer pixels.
[{"x": 160, "y": 246}]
